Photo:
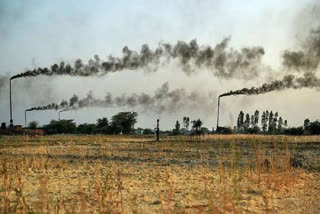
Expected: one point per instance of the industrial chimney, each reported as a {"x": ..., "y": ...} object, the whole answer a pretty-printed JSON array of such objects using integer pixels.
[
  {"x": 11, "y": 120},
  {"x": 218, "y": 113},
  {"x": 158, "y": 131}
]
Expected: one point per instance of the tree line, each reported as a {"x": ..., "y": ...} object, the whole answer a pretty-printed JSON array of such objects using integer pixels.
[
  {"x": 270, "y": 122},
  {"x": 121, "y": 123}
]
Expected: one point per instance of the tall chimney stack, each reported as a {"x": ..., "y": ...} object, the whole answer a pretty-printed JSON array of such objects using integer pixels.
[
  {"x": 218, "y": 113},
  {"x": 25, "y": 118},
  {"x": 11, "y": 120},
  {"x": 158, "y": 131}
]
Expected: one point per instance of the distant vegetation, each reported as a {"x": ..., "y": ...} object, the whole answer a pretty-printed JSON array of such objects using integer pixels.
[
  {"x": 123, "y": 123},
  {"x": 271, "y": 123}
]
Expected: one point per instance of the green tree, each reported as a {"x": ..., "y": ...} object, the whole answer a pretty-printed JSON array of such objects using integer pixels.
[
  {"x": 240, "y": 120},
  {"x": 196, "y": 125},
  {"x": 33, "y": 125},
  {"x": 123, "y": 122},
  {"x": 186, "y": 122},
  {"x": 147, "y": 131},
  {"x": 252, "y": 123},
  {"x": 274, "y": 122},
  {"x": 103, "y": 126},
  {"x": 176, "y": 130},
  {"x": 267, "y": 118},
  {"x": 314, "y": 128},
  {"x": 280, "y": 124},
  {"x": 60, "y": 127},
  {"x": 87, "y": 128},
  {"x": 256, "y": 118},
  {"x": 247, "y": 122},
  {"x": 264, "y": 122},
  {"x": 270, "y": 121},
  {"x": 306, "y": 123}
]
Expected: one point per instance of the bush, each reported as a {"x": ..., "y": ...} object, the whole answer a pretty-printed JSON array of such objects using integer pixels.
[
  {"x": 147, "y": 131},
  {"x": 294, "y": 131},
  {"x": 33, "y": 125},
  {"x": 60, "y": 127},
  {"x": 313, "y": 128},
  {"x": 87, "y": 128},
  {"x": 254, "y": 130},
  {"x": 224, "y": 130}
]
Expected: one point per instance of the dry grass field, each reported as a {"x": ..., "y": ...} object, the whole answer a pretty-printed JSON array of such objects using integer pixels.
[{"x": 135, "y": 174}]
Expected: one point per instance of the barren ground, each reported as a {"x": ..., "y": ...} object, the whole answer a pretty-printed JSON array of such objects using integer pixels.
[{"x": 134, "y": 174}]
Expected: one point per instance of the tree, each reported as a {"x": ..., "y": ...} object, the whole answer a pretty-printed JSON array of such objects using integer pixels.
[
  {"x": 123, "y": 122},
  {"x": 240, "y": 120},
  {"x": 87, "y": 128},
  {"x": 264, "y": 122},
  {"x": 103, "y": 122},
  {"x": 33, "y": 125},
  {"x": 314, "y": 128},
  {"x": 267, "y": 118},
  {"x": 256, "y": 118},
  {"x": 274, "y": 122},
  {"x": 270, "y": 121},
  {"x": 252, "y": 124},
  {"x": 196, "y": 125},
  {"x": 147, "y": 131},
  {"x": 176, "y": 130},
  {"x": 306, "y": 123},
  {"x": 60, "y": 127},
  {"x": 280, "y": 124},
  {"x": 247, "y": 121},
  {"x": 285, "y": 124},
  {"x": 103, "y": 126},
  {"x": 186, "y": 122},
  {"x": 294, "y": 131}
]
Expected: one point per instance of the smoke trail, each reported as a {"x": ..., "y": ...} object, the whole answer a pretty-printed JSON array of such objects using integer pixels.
[
  {"x": 309, "y": 80},
  {"x": 53, "y": 106},
  {"x": 308, "y": 58},
  {"x": 224, "y": 62},
  {"x": 307, "y": 26},
  {"x": 3, "y": 83},
  {"x": 163, "y": 100}
]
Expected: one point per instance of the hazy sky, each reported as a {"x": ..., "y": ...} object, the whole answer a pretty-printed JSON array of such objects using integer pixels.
[{"x": 38, "y": 33}]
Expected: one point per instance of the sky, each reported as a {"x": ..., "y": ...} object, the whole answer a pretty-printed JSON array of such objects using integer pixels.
[{"x": 38, "y": 33}]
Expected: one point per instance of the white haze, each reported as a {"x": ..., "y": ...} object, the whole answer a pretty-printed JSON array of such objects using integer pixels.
[{"x": 38, "y": 33}]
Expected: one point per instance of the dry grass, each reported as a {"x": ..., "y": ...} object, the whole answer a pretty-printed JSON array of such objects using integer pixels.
[{"x": 132, "y": 174}]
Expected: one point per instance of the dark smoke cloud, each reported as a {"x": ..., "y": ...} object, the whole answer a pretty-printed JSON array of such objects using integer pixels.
[
  {"x": 308, "y": 58},
  {"x": 4, "y": 86},
  {"x": 309, "y": 80},
  {"x": 3, "y": 82},
  {"x": 163, "y": 100},
  {"x": 307, "y": 30},
  {"x": 223, "y": 61}
]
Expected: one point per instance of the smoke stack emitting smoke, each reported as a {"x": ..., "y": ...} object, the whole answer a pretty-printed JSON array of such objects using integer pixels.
[
  {"x": 223, "y": 61},
  {"x": 309, "y": 80},
  {"x": 163, "y": 100},
  {"x": 306, "y": 61}
]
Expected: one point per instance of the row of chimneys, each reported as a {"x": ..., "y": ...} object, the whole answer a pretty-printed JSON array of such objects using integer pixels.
[
  {"x": 25, "y": 117},
  {"x": 11, "y": 119}
]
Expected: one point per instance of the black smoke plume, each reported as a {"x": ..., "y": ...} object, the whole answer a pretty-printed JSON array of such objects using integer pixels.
[
  {"x": 3, "y": 83},
  {"x": 308, "y": 58},
  {"x": 163, "y": 100},
  {"x": 223, "y": 61},
  {"x": 309, "y": 80}
]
